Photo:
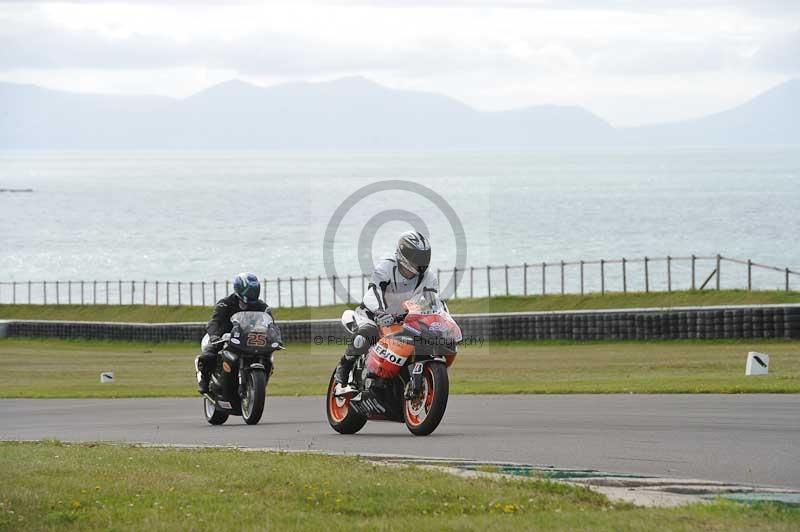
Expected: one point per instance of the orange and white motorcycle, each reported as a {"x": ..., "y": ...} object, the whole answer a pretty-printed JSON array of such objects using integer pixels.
[{"x": 403, "y": 377}]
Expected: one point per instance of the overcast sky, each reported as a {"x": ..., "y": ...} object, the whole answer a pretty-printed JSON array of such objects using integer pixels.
[{"x": 630, "y": 62}]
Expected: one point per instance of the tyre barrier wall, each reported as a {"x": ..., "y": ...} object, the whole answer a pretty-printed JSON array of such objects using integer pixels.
[{"x": 766, "y": 321}]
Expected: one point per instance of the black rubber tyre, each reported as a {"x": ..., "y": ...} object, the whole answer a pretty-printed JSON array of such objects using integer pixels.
[
  {"x": 213, "y": 416},
  {"x": 422, "y": 416},
  {"x": 255, "y": 395},
  {"x": 340, "y": 416}
]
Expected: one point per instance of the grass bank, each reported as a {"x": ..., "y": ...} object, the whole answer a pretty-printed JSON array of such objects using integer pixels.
[
  {"x": 51, "y": 486},
  {"x": 164, "y": 314},
  {"x": 65, "y": 368}
]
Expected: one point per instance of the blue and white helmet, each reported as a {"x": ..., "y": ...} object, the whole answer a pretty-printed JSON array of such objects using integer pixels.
[{"x": 247, "y": 287}]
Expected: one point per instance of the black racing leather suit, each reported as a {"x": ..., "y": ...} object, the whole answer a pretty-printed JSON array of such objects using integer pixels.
[{"x": 220, "y": 323}]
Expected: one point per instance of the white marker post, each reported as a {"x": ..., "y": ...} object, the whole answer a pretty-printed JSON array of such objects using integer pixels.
[{"x": 757, "y": 364}]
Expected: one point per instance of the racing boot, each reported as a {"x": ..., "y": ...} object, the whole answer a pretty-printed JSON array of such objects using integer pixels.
[
  {"x": 203, "y": 374},
  {"x": 342, "y": 374}
]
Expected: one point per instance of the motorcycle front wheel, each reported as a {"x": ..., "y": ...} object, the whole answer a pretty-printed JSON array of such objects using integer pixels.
[
  {"x": 423, "y": 413},
  {"x": 255, "y": 393}
]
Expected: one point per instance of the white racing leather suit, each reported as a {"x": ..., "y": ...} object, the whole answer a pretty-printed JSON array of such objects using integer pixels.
[{"x": 386, "y": 292}]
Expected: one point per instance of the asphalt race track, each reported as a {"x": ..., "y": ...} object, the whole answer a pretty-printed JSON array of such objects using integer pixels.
[{"x": 748, "y": 439}]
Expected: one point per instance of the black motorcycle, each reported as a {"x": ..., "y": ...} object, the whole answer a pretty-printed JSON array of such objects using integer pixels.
[{"x": 238, "y": 384}]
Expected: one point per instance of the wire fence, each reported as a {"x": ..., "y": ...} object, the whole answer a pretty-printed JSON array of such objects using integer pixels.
[{"x": 646, "y": 274}]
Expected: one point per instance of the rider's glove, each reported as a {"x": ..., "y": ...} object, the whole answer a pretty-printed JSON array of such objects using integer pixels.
[
  {"x": 383, "y": 318},
  {"x": 214, "y": 339}
]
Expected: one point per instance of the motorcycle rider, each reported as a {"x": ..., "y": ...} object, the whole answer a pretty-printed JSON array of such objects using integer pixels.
[
  {"x": 394, "y": 281},
  {"x": 245, "y": 297}
]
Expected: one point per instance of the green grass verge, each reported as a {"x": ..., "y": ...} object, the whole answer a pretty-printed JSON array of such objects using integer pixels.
[
  {"x": 162, "y": 314},
  {"x": 51, "y": 486},
  {"x": 69, "y": 368}
]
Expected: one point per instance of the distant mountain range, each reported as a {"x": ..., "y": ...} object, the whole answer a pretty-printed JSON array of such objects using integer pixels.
[{"x": 355, "y": 113}]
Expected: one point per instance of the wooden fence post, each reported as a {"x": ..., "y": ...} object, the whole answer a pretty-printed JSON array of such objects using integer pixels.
[
  {"x": 669, "y": 273},
  {"x": 602, "y": 276},
  {"x": 544, "y": 278},
  {"x": 624, "y": 277},
  {"x": 525, "y": 278}
]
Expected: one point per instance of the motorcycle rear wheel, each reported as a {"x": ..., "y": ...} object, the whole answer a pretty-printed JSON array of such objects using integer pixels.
[
  {"x": 341, "y": 417},
  {"x": 213, "y": 416},
  {"x": 424, "y": 413}
]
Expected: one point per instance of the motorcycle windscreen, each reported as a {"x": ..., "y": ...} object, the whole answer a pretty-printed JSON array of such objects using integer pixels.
[
  {"x": 254, "y": 332},
  {"x": 387, "y": 357}
]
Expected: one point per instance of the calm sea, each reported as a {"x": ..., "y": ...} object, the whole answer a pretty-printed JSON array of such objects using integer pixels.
[{"x": 204, "y": 216}]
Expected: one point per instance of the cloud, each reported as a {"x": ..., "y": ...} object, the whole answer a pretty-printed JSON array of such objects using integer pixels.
[{"x": 781, "y": 54}]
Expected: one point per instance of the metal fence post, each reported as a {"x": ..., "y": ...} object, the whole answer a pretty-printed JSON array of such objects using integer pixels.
[
  {"x": 471, "y": 272},
  {"x": 279, "y": 292},
  {"x": 489, "y": 280},
  {"x": 133, "y": 290},
  {"x": 581, "y": 277},
  {"x": 94, "y": 292},
  {"x": 602, "y": 277},
  {"x": 13, "y": 292},
  {"x": 348, "y": 288},
  {"x": 156, "y": 293},
  {"x": 455, "y": 282},
  {"x": 719, "y": 263},
  {"x": 291, "y": 291},
  {"x": 203, "y": 293},
  {"x": 562, "y": 277},
  {"x": 29, "y": 292},
  {"x": 506, "y": 273},
  {"x": 179, "y": 293},
  {"x": 107, "y": 292},
  {"x": 525, "y": 278},
  {"x": 305, "y": 291},
  {"x": 544, "y": 278},
  {"x": 167, "y": 290},
  {"x": 227, "y": 287},
  {"x": 119, "y": 286},
  {"x": 144, "y": 292},
  {"x": 58, "y": 302},
  {"x": 749, "y": 274},
  {"x": 786, "y": 273},
  {"x": 81, "y": 292},
  {"x": 624, "y": 276},
  {"x": 215, "y": 292},
  {"x": 333, "y": 286},
  {"x": 69, "y": 292},
  {"x": 44, "y": 292},
  {"x": 669, "y": 273},
  {"x": 191, "y": 293},
  {"x": 694, "y": 259},
  {"x": 319, "y": 290},
  {"x": 646, "y": 275}
]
